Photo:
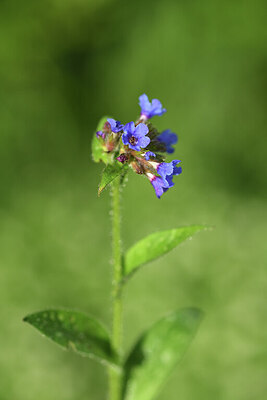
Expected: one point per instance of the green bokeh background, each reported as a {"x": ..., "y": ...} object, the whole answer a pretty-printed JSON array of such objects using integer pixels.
[{"x": 65, "y": 63}]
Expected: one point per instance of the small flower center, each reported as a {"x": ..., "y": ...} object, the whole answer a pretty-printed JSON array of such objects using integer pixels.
[{"x": 132, "y": 140}]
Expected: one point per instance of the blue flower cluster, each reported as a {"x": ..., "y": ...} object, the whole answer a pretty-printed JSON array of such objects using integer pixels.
[{"x": 142, "y": 147}]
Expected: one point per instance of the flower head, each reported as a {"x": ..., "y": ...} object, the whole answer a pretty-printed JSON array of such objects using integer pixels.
[
  {"x": 149, "y": 110},
  {"x": 168, "y": 138},
  {"x": 140, "y": 146},
  {"x": 115, "y": 126},
  {"x": 135, "y": 136}
]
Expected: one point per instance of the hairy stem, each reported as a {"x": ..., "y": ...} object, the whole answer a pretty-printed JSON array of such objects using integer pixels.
[{"x": 114, "y": 375}]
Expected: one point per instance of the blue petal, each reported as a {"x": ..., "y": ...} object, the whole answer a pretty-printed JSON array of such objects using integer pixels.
[
  {"x": 125, "y": 138},
  {"x": 129, "y": 128},
  {"x": 115, "y": 126},
  {"x": 169, "y": 181},
  {"x": 134, "y": 147},
  {"x": 176, "y": 170},
  {"x": 156, "y": 108},
  {"x": 112, "y": 123},
  {"x": 165, "y": 169},
  {"x": 144, "y": 103},
  {"x": 168, "y": 138},
  {"x": 175, "y": 162},
  {"x": 141, "y": 130},
  {"x": 143, "y": 142}
]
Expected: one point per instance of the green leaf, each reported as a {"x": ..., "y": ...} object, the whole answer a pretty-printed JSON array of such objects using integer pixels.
[
  {"x": 97, "y": 151},
  {"x": 157, "y": 352},
  {"x": 156, "y": 245},
  {"x": 111, "y": 171},
  {"x": 75, "y": 331}
]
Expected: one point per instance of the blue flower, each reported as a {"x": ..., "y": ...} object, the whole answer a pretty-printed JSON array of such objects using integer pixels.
[
  {"x": 168, "y": 138},
  {"x": 158, "y": 184},
  {"x": 115, "y": 126},
  {"x": 163, "y": 169},
  {"x": 149, "y": 154},
  {"x": 149, "y": 110},
  {"x": 166, "y": 171},
  {"x": 135, "y": 136}
]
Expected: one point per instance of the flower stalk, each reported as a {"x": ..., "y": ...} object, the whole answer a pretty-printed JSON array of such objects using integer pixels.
[{"x": 115, "y": 376}]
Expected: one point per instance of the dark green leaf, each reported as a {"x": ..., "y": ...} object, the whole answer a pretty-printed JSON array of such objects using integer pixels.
[
  {"x": 97, "y": 151},
  {"x": 157, "y": 352},
  {"x": 75, "y": 331},
  {"x": 155, "y": 245},
  {"x": 111, "y": 172}
]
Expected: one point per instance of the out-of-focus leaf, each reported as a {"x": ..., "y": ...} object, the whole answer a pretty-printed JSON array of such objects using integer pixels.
[
  {"x": 156, "y": 354},
  {"x": 111, "y": 171},
  {"x": 156, "y": 245},
  {"x": 97, "y": 151},
  {"x": 75, "y": 331}
]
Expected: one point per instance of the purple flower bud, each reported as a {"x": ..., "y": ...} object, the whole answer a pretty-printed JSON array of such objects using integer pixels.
[
  {"x": 122, "y": 158},
  {"x": 149, "y": 110},
  {"x": 168, "y": 138}
]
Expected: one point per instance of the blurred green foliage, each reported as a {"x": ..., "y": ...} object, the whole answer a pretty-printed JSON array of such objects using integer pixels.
[{"x": 63, "y": 64}]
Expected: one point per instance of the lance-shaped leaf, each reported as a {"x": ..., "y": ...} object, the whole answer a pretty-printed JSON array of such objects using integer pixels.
[
  {"x": 156, "y": 245},
  {"x": 75, "y": 331},
  {"x": 111, "y": 171},
  {"x": 157, "y": 352},
  {"x": 98, "y": 152}
]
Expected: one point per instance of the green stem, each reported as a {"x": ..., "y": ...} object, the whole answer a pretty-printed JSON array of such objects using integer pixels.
[{"x": 114, "y": 375}]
